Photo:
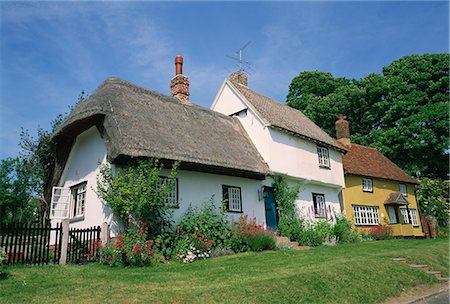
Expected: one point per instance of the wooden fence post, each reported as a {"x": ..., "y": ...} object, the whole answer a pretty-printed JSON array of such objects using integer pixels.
[
  {"x": 104, "y": 233},
  {"x": 64, "y": 241}
]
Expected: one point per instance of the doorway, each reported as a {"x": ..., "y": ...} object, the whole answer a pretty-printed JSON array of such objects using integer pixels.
[{"x": 271, "y": 208}]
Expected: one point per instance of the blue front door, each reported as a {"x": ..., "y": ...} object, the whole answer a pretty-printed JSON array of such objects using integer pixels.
[{"x": 271, "y": 208}]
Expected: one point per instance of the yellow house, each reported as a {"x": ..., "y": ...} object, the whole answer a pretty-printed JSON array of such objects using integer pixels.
[{"x": 376, "y": 190}]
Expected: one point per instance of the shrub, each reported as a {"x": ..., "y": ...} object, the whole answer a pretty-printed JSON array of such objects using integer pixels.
[
  {"x": 247, "y": 235},
  {"x": 291, "y": 227},
  {"x": 310, "y": 237},
  {"x": 380, "y": 232},
  {"x": 343, "y": 230},
  {"x": 207, "y": 221},
  {"x": 129, "y": 249}
]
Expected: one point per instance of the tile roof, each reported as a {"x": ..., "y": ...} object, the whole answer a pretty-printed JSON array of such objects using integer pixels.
[
  {"x": 286, "y": 118},
  {"x": 368, "y": 161},
  {"x": 396, "y": 198}
]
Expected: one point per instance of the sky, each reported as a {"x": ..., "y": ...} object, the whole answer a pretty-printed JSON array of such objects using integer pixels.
[{"x": 52, "y": 51}]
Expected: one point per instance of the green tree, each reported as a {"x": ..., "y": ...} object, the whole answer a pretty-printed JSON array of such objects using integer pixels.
[
  {"x": 403, "y": 112},
  {"x": 433, "y": 197},
  {"x": 136, "y": 192},
  {"x": 16, "y": 200}
]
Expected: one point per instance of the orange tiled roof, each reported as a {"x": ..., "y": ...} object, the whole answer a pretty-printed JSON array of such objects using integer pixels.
[{"x": 367, "y": 161}]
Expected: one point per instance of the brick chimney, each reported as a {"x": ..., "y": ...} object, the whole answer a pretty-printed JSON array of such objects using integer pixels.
[
  {"x": 179, "y": 85},
  {"x": 239, "y": 77},
  {"x": 343, "y": 131}
]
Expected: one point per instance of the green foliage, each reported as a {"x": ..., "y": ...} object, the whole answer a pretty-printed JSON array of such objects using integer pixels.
[
  {"x": 342, "y": 229},
  {"x": 433, "y": 197},
  {"x": 247, "y": 235},
  {"x": 310, "y": 237},
  {"x": 209, "y": 222},
  {"x": 285, "y": 197},
  {"x": 403, "y": 112},
  {"x": 16, "y": 197},
  {"x": 135, "y": 192},
  {"x": 133, "y": 248}
]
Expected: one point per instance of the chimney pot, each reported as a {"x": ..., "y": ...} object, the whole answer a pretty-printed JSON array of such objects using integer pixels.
[{"x": 178, "y": 65}]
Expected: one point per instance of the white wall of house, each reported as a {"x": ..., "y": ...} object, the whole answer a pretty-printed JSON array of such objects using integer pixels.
[
  {"x": 193, "y": 187},
  {"x": 284, "y": 153}
]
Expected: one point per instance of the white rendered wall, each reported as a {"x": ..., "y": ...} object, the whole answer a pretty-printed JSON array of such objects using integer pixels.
[
  {"x": 83, "y": 166},
  {"x": 298, "y": 158}
]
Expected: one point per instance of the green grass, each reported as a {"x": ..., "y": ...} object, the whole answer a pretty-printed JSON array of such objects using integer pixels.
[{"x": 352, "y": 273}]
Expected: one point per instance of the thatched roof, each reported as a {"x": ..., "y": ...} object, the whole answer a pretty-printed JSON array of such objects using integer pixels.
[
  {"x": 285, "y": 118},
  {"x": 137, "y": 122}
]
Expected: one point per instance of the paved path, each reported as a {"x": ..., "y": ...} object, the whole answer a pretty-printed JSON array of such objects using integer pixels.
[{"x": 436, "y": 294}]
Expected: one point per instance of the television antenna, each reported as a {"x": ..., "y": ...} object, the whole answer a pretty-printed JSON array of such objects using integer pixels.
[{"x": 239, "y": 56}]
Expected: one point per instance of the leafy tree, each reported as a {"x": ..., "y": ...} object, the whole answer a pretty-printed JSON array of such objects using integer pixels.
[
  {"x": 403, "y": 112},
  {"x": 16, "y": 199},
  {"x": 433, "y": 197},
  {"x": 135, "y": 192}
]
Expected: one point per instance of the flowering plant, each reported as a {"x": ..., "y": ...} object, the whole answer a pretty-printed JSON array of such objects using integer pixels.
[
  {"x": 247, "y": 235},
  {"x": 191, "y": 246},
  {"x": 380, "y": 232},
  {"x": 129, "y": 249}
]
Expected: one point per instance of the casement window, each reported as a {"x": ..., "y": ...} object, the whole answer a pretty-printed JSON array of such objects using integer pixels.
[
  {"x": 324, "y": 157},
  {"x": 68, "y": 202},
  {"x": 403, "y": 189},
  {"x": 367, "y": 184},
  {"x": 172, "y": 197},
  {"x": 232, "y": 197},
  {"x": 79, "y": 199},
  {"x": 366, "y": 215},
  {"x": 412, "y": 214},
  {"x": 320, "y": 208}
]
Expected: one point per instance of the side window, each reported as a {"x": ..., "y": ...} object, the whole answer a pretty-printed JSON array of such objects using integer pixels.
[
  {"x": 403, "y": 189},
  {"x": 59, "y": 207},
  {"x": 172, "y": 197},
  {"x": 78, "y": 199},
  {"x": 324, "y": 157},
  {"x": 232, "y": 197},
  {"x": 367, "y": 184},
  {"x": 320, "y": 209}
]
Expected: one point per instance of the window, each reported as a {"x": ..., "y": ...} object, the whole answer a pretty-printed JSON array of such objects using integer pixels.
[
  {"x": 412, "y": 214},
  {"x": 68, "y": 202},
  {"x": 79, "y": 198},
  {"x": 320, "y": 208},
  {"x": 172, "y": 197},
  {"x": 232, "y": 197},
  {"x": 366, "y": 215},
  {"x": 367, "y": 184},
  {"x": 324, "y": 157},
  {"x": 403, "y": 189},
  {"x": 59, "y": 206}
]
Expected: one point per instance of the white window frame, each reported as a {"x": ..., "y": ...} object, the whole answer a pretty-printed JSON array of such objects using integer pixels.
[
  {"x": 367, "y": 184},
  {"x": 172, "y": 197},
  {"x": 366, "y": 215},
  {"x": 324, "y": 157},
  {"x": 412, "y": 214},
  {"x": 234, "y": 198},
  {"x": 78, "y": 199},
  {"x": 60, "y": 203},
  {"x": 405, "y": 192},
  {"x": 319, "y": 205}
]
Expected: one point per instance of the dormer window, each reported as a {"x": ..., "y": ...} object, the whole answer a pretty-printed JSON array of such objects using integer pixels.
[
  {"x": 324, "y": 157},
  {"x": 403, "y": 189},
  {"x": 367, "y": 184}
]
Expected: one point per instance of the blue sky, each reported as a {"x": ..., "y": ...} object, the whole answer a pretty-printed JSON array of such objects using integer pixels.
[{"x": 51, "y": 51}]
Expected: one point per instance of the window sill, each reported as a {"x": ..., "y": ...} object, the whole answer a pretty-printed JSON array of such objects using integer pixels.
[
  {"x": 76, "y": 219},
  {"x": 320, "y": 217},
  {"x": 230, "y": 211},
  {"x": 368, "y": 191},
  {"x": 324, "y": 167}
]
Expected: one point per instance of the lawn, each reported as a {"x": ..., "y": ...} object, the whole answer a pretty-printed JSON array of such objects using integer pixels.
[{"x": 351, "y": 273}]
